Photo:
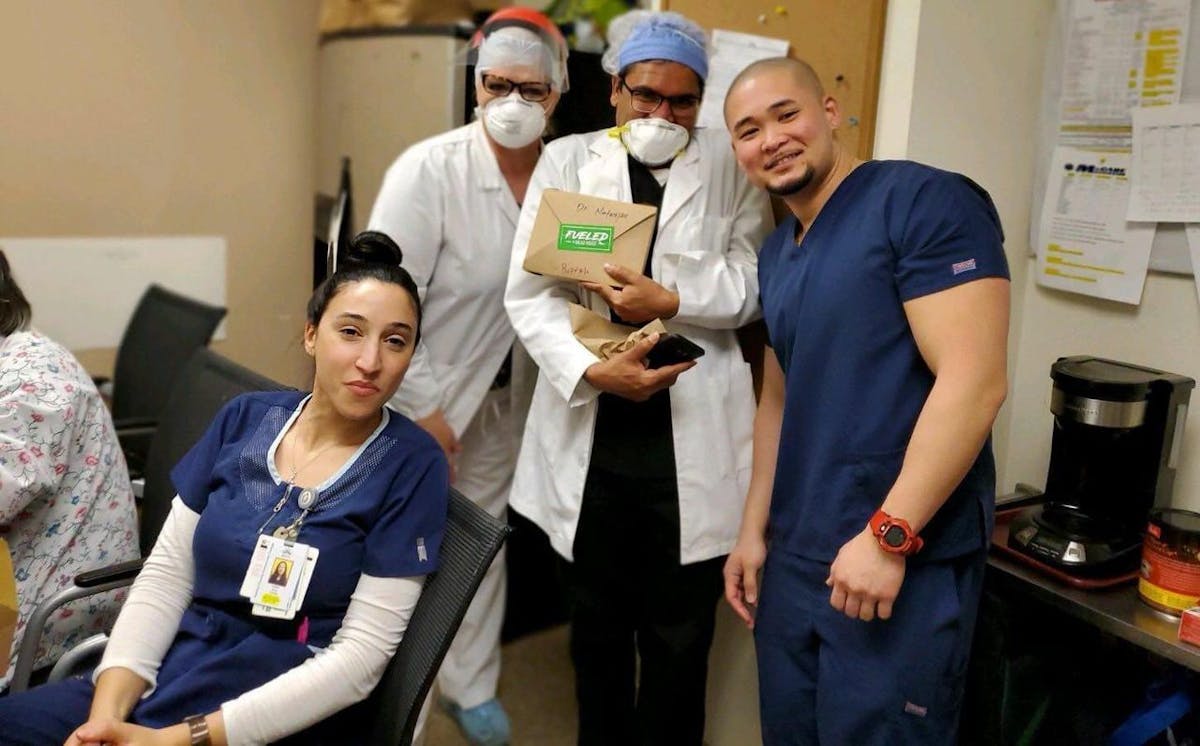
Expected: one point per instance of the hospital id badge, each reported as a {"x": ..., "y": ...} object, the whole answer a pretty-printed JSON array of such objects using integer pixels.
[
  {"x": 279, "y": 566},
  {"x": 305, "y": 571}
]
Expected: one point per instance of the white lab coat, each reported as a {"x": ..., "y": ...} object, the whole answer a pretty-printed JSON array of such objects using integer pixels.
[
  {"x": 711, "y": 225},
  {"x": 445, "y": 202}
]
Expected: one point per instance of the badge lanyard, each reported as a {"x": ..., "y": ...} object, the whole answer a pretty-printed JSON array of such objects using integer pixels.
[{"x": 291, "y": 531}]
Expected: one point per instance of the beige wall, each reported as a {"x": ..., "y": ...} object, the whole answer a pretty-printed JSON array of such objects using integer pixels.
[
  {"x": 975, "y": 107},
  {"x": 159, "y": 117}
]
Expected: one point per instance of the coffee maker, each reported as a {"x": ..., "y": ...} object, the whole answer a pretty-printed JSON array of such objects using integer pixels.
[{"x": 1118, "y": 435}]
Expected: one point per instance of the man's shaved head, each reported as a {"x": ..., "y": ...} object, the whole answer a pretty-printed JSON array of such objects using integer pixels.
[{"x": 800, "y": 71}]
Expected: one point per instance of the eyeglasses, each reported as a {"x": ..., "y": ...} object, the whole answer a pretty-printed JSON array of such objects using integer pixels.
[
  {"x": 647, "y": 101},
  {"x": 498, "y": 86}
]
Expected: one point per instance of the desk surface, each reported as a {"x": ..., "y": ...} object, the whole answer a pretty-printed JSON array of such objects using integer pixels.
[{"x": 1118, "y": 611}]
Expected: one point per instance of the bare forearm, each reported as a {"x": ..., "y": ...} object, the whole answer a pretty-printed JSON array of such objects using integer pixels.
[
  {"x": 117, "y": 691},
  {"x": 768, "y": 420},
  {"x": 949, "y": 433}
]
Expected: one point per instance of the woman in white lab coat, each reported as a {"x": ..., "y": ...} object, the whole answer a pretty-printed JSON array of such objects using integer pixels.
[{"x": 452, "y": 203}]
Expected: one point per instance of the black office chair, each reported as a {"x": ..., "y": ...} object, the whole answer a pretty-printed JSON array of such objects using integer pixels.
[
  {"x": 205, "y": 384},
  {"x": 164, "y": 331},
  {"x": 208, "y": 380},
  {"x": 473, "y": 538}
]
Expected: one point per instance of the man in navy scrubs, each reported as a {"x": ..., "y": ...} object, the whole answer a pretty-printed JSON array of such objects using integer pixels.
[{"x": 886, "y": 298}]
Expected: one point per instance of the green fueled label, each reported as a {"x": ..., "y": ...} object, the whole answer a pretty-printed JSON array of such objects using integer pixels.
[{"x": 598, "y": 238}]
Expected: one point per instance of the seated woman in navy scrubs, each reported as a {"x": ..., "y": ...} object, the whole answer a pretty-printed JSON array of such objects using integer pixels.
[{"x": 214, "y": 645}]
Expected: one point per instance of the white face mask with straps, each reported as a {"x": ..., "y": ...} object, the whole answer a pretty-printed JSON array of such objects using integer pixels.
[
  {"x": 512, "y": 121},
  {"x": 653, "y": 141}
]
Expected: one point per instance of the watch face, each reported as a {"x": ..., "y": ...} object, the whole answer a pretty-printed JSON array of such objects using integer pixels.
[{"x": 894, "y": 536}]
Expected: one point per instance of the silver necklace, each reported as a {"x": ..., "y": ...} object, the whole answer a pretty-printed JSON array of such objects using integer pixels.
[{"x": 306, "y": 500}]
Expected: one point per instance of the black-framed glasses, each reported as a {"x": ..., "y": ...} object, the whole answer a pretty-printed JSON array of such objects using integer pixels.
[
  {"x": 647, "y": 100},
  {"x": 533, "y": 92}
]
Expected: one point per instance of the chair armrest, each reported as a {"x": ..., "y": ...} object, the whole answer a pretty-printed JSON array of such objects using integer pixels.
[
  {"x": 133, "y": 427},
  {"x": 122, "y": 571},
  {"x": 93, "y": 582}
]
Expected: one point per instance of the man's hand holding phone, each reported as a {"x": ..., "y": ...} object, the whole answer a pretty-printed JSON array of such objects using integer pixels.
[{"x": 672, "y": 349}]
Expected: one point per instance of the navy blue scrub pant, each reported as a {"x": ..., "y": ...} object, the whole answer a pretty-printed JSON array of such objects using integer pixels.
[{"x": 827, "y": 679}]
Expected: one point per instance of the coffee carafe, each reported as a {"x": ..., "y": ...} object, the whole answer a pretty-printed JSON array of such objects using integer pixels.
[{"x": 1118, "y": 435}]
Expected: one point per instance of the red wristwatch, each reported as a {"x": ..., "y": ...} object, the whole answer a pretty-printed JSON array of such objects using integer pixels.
[{"x": 895, "y": 535}]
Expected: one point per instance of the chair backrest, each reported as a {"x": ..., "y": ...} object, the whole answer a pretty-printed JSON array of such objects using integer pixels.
[
  {"x": 161, "y": 335},
  {"x": 205, "y": 383},
  {"x": 472, "y": 539}
]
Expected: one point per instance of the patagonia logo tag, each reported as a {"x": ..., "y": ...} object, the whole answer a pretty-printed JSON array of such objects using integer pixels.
[
  {"x": 959, "y": 267},
  {"x": 917, "y": 710},
  {"x": 421, "y": 554},
  {"x": 597, "y": 238}
]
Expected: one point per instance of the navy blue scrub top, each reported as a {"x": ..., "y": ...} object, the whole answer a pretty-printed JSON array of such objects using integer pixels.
[
  {"x": 855, "y": 380},
  {"x": 382, "y": 514}
]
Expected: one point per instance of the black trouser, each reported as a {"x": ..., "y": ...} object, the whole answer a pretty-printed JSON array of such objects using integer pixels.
[{"x": 629, "y": 599}]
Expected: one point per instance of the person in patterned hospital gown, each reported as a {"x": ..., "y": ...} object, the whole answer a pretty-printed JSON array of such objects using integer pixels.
[{"x": 66, "y": 505}]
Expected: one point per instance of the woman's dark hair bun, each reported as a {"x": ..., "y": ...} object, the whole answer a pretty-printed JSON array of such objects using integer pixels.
[{"x": 373, "y": 247}]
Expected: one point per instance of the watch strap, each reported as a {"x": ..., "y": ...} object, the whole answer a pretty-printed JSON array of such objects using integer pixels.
[
  {"x": 198, "y": 730},
  {"x": 881, "y": 524}
]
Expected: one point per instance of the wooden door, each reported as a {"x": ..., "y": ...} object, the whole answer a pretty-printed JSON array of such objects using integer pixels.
[{"x": 841, "y": 39}]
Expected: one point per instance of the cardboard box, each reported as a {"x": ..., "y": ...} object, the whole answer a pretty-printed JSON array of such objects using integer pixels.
[
  {"x": 1189, "y": 626},
  {"x": 8, "y": 606},
  {"x": 604, "y": 338},
  {"x": 575, "y": 235}
]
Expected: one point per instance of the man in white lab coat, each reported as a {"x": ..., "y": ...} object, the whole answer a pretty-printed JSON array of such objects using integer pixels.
[
  {"x": 452, "y": 202},
  {"x": 638, "y": 475}
]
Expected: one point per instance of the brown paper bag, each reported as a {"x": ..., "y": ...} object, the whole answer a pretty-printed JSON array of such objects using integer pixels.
[
  {"x": 604, "y": 338},
  {"x": 8, "y": 606},
  {"x": 575, "y": 235}
]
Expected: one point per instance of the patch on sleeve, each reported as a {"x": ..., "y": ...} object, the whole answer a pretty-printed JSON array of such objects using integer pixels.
[
  {"x": 421, "y": 554},
  {"x": 917, "y": 710},
  {"x": 967, "y": 265}
]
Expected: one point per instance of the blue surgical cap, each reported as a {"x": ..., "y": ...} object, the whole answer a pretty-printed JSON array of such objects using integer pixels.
[{"x": 666, "y": 36}]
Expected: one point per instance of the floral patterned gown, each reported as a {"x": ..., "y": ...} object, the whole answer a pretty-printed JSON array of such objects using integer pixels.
[{"x": 66, "y": 505}]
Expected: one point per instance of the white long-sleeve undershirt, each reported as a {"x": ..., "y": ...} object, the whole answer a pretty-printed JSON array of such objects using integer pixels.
[{"x": 336, "y": 677}]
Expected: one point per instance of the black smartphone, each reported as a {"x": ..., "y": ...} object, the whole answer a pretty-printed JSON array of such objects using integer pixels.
[{"x": 671, "y": 349}]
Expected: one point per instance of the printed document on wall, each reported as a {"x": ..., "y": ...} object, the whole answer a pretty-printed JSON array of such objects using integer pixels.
[
  {"x": 1085, "y": 245},
  {"x": 1119, "y": 56},
  {"x": 1166, "y": 164},
  {"x": 730, "y": 53}
]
